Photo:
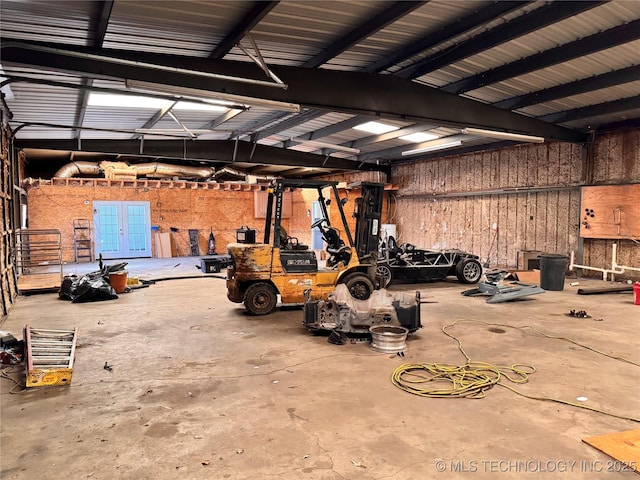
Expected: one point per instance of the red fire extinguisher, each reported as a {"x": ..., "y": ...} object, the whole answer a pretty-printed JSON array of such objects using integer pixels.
[{"x": 212, "y": 243}]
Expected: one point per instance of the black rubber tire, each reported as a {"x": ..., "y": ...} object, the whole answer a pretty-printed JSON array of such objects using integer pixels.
[
  {"x": 260, "y": 299},
  {"x": 469, "y": 270},
  {"x": 384, "y": 275},
  {"x": 360, "y": 286}
]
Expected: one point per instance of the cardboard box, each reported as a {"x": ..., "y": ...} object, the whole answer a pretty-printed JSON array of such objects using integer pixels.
[{"x": 528, "y": 276}]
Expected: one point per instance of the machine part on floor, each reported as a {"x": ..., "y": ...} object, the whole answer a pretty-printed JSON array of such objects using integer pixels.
[
  {"x": 408, "y": 262},
  {"x": 502, "y": 293},
  {"x": 578, "y": 314},
  {"x": 337, "y": 338},
  {"x": 340, "y": 312},
  {"x": 283, "y": 266},
  {"x": 50, "y": 354},
  {"x": 388, "y": 338},
  {"x": 473, "y": 379}
]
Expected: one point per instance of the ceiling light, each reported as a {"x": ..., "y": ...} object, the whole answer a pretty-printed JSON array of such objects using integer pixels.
[
  {"x": 377, "y": 128},
  {"x": 419, "y": 137},
  {"x": 431, "y": 148},
  {"x": 503, "y": 135},
  {"x": 125, "y": 101},
  {"x": 223, "y": 98},
  {"x": 132, "y": 101},
  {"x": 331, "y": 146}
]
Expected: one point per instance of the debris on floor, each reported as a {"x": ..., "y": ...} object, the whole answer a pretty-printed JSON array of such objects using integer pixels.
[
  {"x": 624, "y": 447},
  {"x": 499, "y": 292},
  {"x": 12, "y": 352},
  {"x": 95, "y": 286},
  {"x": 49, "y": 355},
  {"x": 601, "y": 290}
]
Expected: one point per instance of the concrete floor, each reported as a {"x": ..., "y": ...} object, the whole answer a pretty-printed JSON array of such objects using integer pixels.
[{"x": 200, "y": 390}]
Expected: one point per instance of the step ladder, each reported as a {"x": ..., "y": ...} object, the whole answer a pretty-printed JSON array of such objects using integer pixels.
[
  {"x": 82, "y": 240},
  {"x": 50, "y": 355}
]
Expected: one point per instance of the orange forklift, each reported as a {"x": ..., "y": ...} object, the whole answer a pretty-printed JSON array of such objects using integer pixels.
[{"x": 283, "y": 266}]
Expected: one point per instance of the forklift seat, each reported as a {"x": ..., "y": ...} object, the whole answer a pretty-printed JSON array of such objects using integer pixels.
[{"x": 290, "y": 243}]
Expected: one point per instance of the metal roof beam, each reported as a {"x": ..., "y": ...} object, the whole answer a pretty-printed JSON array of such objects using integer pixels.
[
  {"x": 529, "y": 22},
  {"x": 376, "y": 23},
  {"x": 578, "y": 48},
  {"x": 202, "y": 150},
  {"x": 289, "y": 123},
  {"x": 383, "y": 18},
  {"x": 620, "y": 105},
  {"x": 99, "y": 23},
  {"x": 328, "y": 130},
  {"x": 389, "y": 135},
  {"x": 384, "y": 96},
  {"x": 157, "y": 117},
  {"x": 597, "y": 82},
  {"x": 225, "y": 117},
  {"x": 250, "y": 20},
  {"x": 483, "y": 14}
]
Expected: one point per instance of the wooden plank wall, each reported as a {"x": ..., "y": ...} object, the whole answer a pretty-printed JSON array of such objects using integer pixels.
[
  {"x": 476, "y": 200},
  {"x": 529, "y": 192},
  {"x": 8, "y": 289}
]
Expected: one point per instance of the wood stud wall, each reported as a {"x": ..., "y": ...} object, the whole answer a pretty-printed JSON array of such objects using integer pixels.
[
  {"x": 7, "y": 275},
  {"x": 530, "y": 192},
  {"x": 616, "y": 160}
]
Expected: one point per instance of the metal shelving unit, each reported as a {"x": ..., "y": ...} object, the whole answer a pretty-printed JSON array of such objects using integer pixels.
[{"x": 38, "y": 259}]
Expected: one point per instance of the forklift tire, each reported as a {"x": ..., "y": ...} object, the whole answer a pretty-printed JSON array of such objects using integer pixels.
[
  {"x": 469, "y": 270},
  {"x": 360, "y": 286},
  {"x": 260, "y": 299}
]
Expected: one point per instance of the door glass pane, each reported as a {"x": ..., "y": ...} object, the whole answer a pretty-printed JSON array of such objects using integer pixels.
[
  {"x": 108, "y": 218},
  {"x": 137, "y": 234}
]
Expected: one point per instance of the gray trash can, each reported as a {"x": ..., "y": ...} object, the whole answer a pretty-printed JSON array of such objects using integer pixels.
[{"x": 553, "y": 267}]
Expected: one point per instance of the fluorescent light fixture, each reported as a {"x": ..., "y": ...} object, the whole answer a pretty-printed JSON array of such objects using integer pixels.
[
  {"x": 132, "y": 101},
  {"x": 125, "y": 101},
  {"x": 431, "y": 148},
  {"x": 419, "y": 137},
  {"x": 503, "y": 135},
  {"x": 377, "y": 128},
  {"x": 331, "y": 146},
  {"x": 199, "y": 107},
  {"x": 207, "y": 95}
]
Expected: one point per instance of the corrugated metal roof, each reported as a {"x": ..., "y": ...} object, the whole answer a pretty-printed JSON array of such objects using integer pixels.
[
  {"x": 174, "y": 27},
  {"x": 294, "y": 32},
  {"x": 65, "y": 21},
  {"x": 588, "y": 23}
]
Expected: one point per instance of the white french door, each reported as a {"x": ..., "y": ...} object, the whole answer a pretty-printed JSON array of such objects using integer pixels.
[{"x": 122, "y": 229}]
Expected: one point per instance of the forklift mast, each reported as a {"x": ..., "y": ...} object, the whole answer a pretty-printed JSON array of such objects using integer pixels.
[
  {"x": 368, "y": 214},
  {"x": 275, "y": 206}
]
